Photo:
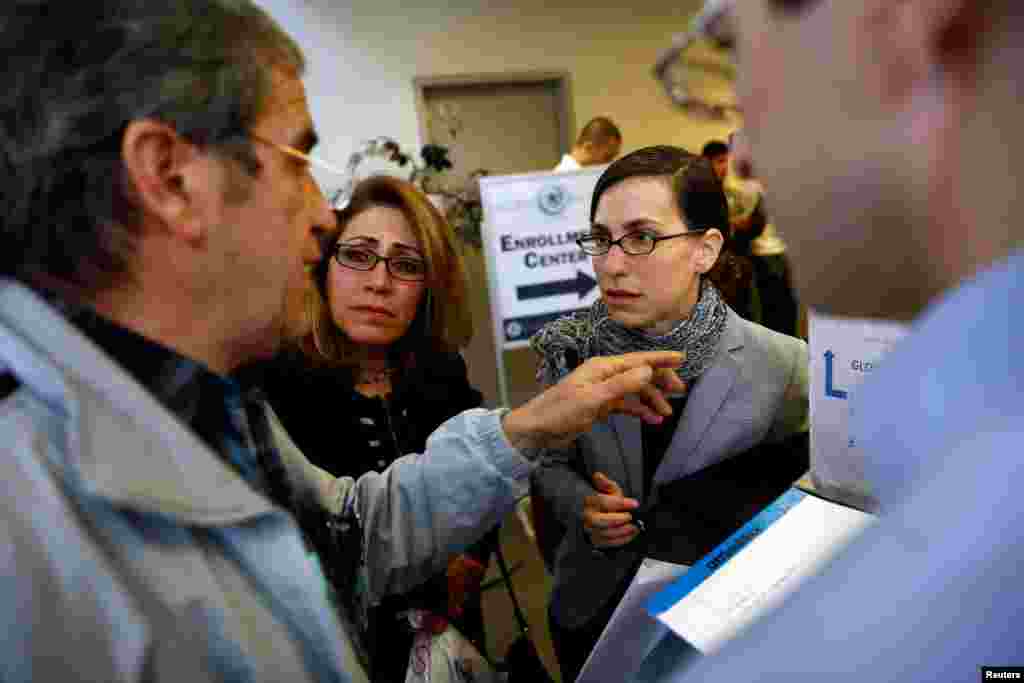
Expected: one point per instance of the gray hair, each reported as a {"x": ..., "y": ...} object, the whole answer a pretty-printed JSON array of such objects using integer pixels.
[{"x": 75, "y": 74}]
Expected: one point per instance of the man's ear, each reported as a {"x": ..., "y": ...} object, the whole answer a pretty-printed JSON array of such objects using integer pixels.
[
  {"x": 161, "y": 177},
  {"x": 708, "y": 249},
  {"x": 913, "y": 40}
]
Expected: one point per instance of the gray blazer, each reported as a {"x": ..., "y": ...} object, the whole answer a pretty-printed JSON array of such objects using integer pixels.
[{"x": 754, "y": 392}]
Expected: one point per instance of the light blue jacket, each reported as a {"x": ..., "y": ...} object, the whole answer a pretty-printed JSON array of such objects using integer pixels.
[
  {"x": 132, "y": 552},
  {"x": 934, "y": 591}
]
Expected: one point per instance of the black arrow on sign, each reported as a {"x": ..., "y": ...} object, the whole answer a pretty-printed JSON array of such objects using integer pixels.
[{"x": 582, "y": 284}]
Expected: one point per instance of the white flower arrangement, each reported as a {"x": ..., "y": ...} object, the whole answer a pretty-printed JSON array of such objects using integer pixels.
[{"x": 461, "y": 206}]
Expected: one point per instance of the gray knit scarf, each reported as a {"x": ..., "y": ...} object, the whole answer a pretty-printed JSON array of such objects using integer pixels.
[{"x": 569, "y": 341}]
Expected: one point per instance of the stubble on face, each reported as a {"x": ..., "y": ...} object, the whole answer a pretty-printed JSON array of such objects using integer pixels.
[
  {"x": 271, "y": 226},
  {"x": 834, "y": 158}
]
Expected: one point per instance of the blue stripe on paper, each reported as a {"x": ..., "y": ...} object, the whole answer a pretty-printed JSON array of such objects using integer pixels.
[{"x": 717, "y": 558}]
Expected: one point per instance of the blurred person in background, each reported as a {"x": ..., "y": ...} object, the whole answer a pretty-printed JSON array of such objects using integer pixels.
[
  {"x": 717, "y": 152},
  {"x": 598, "y": 143},
  {"x": 733, "y": 274},
  {"x": 755, "y": 237}
]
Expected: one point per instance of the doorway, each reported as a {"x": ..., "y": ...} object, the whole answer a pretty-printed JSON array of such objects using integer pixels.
[{"x": 501, "y": 124}]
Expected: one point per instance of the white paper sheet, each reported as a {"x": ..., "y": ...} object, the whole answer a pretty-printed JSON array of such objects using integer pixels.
[
  {"x": 631, "y": 632},
  {"x": 779, "y": 556},
  {"x": 843, "y": 353}
]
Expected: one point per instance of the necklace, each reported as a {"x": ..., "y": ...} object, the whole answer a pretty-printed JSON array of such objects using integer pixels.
[{"x": 375, "y": 375}]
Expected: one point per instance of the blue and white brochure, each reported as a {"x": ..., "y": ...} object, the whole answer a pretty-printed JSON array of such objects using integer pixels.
[{"x": 754, "y": 569}]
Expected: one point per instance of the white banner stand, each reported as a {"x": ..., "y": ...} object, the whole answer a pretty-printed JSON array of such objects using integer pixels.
[{"x": 536, "y": 272}]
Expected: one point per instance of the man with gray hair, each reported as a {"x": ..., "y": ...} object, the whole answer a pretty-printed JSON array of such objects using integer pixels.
[
  {"x": 887, "y": 134},
  {"x": 157, "y": 216}
]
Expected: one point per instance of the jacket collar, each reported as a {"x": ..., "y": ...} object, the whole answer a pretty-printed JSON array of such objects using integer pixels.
[
  {"x": 707, "y": 396},
  {"x": 118, "y": 442}
]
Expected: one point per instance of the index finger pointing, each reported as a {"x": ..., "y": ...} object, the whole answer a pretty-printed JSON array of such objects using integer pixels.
[
  {"x": 655, "y": 359},
  {"x": 616, "y": 365}
]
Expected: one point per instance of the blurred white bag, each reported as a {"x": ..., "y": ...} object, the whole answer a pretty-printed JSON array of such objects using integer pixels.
[{"x": 445, "y": 656}]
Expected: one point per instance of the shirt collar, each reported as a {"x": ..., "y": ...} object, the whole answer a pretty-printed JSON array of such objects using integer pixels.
[
  {"x": 226, "y": 413},
  {"x": 111, "y": 436},
  {"x": 177, "y": 382}
]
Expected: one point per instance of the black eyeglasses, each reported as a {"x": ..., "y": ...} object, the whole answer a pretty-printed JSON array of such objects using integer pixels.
[
  {"x": 633, "y": 243},
  {"x": 401, "y": 267}
]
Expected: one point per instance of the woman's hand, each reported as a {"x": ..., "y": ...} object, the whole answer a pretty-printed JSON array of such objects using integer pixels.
[{"x": 606, "y": 517}]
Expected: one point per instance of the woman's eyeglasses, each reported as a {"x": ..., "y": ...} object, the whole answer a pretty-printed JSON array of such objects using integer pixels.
[
  {"x": 632, "y": 243},
  {"x": 401, "y": 267}
]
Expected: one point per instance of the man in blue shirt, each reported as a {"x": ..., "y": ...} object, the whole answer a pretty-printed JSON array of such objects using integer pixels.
[{"x": 887, "y": 133}]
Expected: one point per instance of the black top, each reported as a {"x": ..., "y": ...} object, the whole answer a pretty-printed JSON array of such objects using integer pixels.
[
  {"x": 8, "y": 384},
  {"x": 349, "y": 434},
  {"x": 655, "y": 440},
  {"x": 692, "y": 515}
]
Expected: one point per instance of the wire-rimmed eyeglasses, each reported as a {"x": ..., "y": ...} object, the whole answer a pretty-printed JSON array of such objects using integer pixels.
[
  {"x": 405, "y": 268},
  {"x": 331, "y": 175},
  {"x": 311, "y": 160},
  {"x": 632, "y": 243}
]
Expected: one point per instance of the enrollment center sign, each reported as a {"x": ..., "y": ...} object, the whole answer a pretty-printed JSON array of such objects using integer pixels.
[{"x": 536, "y": 270}]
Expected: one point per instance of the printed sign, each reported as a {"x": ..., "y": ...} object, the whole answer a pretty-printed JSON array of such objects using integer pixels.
[
  {"x": 843, "y": 353},
  {"x": 537, "y": 271}
]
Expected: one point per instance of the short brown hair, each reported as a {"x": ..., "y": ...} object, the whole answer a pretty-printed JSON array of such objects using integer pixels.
[
  {"x": 601, "y": 131},
  {"x": 444, "y": 321}
]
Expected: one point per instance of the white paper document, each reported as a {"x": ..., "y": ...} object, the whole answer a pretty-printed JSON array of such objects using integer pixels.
[
  {"x": 756, "y": 568},
  {"x": 631, "y": 632},
  {"x": 843, "y": 353}
]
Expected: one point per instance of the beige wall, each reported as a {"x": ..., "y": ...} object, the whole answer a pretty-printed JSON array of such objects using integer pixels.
[
  {"x": 608, "y": 52},
  {"x": 363, "y": 58}
]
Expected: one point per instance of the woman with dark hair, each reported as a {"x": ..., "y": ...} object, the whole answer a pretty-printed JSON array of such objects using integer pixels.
[
  {"x": 658, "y": 219},
  {"x": 379, "y": 373}
]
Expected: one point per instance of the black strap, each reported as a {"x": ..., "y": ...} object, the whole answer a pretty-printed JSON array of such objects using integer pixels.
[
  {"x": 522, "y": 661},
  {"x": 524, "y": 627},
  {"x": 8, "y": 385}
]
